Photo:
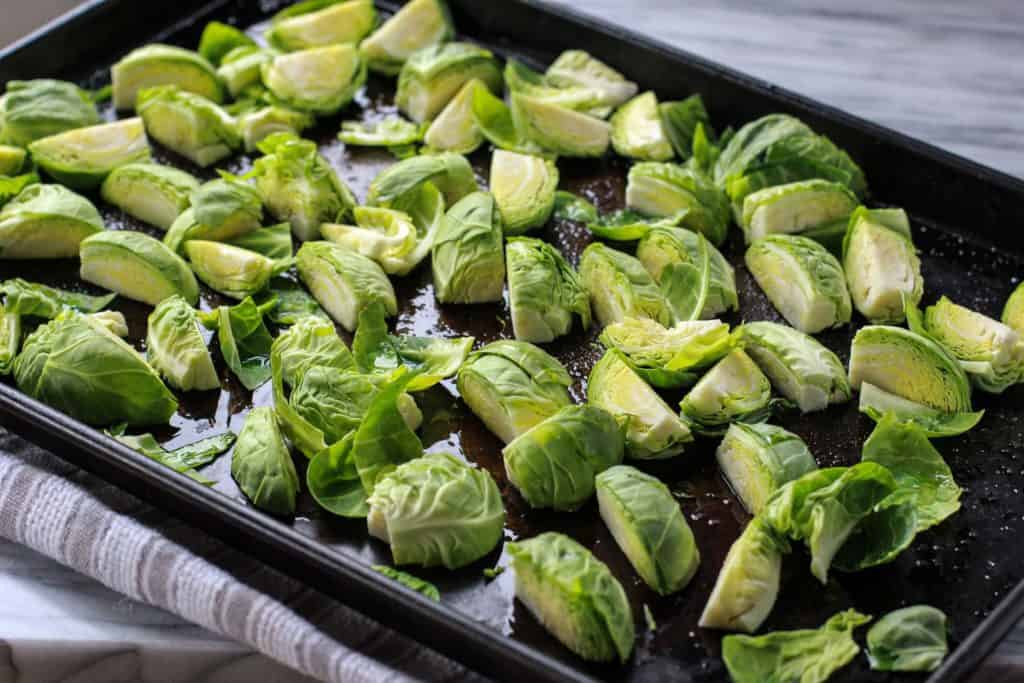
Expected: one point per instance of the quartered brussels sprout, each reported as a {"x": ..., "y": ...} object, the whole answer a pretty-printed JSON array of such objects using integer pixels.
[
  {"x": 577, "y": 69},
  {"x": 653, "y": 430},
  {"x": 620, "y": 288},
  {"x": 663, "y": 189},
  {"x": 878, "y": 404},
  {"x": 153, "y": 193},
  {"x": 455, "y": 129},
  {"x": 908, "y": 639},
  {"x": 524, "y": 188},
  {"x": 560, "y": 130},
  {"x": 757, "y": 459},
  {"x": 649, "y": 527},
  {"x": 748, "y": 584},
  {"x": 512, "y": 386},
  {"x": 46, "y": 221},
  {"x": 136, "y": 266},
  {"x": 881, "y": 264},
  {"x": 395, "y": 186},
  {"x": 417, "y": 25},
  {"x": 321, "y": 80},
  {"x": 221, "y": 209},
  {"x": 553, "y": 464},
  {"x": 669, "y": 358},
  {"x": 574, "y": 596},
  {"x": 798, "y": 365},
  {"x": 637, "y": 132},
  {"x": 390, "y": 131},
  {"x": 315, "y": 23},
  {"x": 82, "y": 158},
  {"x": 662, "y": 247},
  {"x": 1013, "y": 310},
  {"x": 219, "y": 39},
  {"x": 543, "y": 291},
  {"x": 157, "y": 64},
  {"x": 30, "y": 110},
  {"x": 176, "y": 348},
  {"x": 468, "y": 261},
  {"x": 910, "y": 366},
  {"x": 78, "y": 366},
  {"x": 230, "y": 270},
  {"x": 431, "y": 77},
  {"x": 437, "y": 510},
  {"x": 188, "y": 124},
  {"x": 796, "y": 208},
  {"x": 258, "y": 125},
  {"x": 803, "y": 281},
  {"x": 12, "y": 160},
  {"x": 262, "y": 465},
  {"x": 343, "y": 281},
  {"x": 734, "y": 390},
  {"x": 680, "y": 120}
]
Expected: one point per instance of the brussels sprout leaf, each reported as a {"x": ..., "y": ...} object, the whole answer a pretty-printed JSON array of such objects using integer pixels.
[
  {"x": 409, "y": 581},
  {"x": 569, "y": 207},
  {"x": 908, "y": 639},
  {"x": 185, "y": 459},
  {"x": 245, "y": 341},
  {"x": 30, "y": 298},
  {"x": 334, "y": 482},
  {"x": 384, "y": 440},
  {"x": 293, "y": 302},
  {"x": 680, "y": 120},
  {"x": 686, "y": 285}
]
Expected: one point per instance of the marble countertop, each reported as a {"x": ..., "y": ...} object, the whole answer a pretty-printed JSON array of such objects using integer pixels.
[{"x": 949, "y": 72}]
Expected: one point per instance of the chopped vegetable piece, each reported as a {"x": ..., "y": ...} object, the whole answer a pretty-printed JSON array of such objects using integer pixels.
[
  {"x": 734, "y": 390},
  {"x": 39, "y": 108},
  {"x": 176, "y": 348},
  {"x": 320, "y": 80},
  {"x": 796, "y": 208},
  {"x": 620, "y": 288},
  {"x": 230, "y": 270},
  {"x": 664, "y": 190},
  {"x": 543, "y": 291},
  {"x": 908, "y": 639},
  {"x": 409, "y": 581},
  {"x": 417, "y": 25},
  {"x": 455, "y": 128},
  {"x": 152, "y": 193},
  {"x": 315, "y": 23},
  {"x": 82, "y": 158},
  {"x": 46, "y": 221},
  {"x": 189, "y": 124},
  {"x": 431, "y": 77},
  {"x": 262, "y": 465},
  {"x": 468, "y": 260},
  {"x": 881, "y": 264},
  {"x": 344, "y": 281},
  {"x": 136, "y": 266},
  {"x": 157, "y": 64},
  {"x": 386, "y": 132},
  {"x": 524, "y": 189},
  {"x": 560, "y": 130},
  {"x": 757, "y": 459},
  {"x": 637, "y": 131},
  {"x": 669, "y": 358},
  {"x": 664, "y": 247}
]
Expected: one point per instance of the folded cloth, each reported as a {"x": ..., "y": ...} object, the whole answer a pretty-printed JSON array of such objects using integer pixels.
[{"x": 98, "y": 530}]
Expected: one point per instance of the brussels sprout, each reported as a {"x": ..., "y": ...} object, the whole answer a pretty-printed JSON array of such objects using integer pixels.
[
  {"x": 433, "y": 75},
  {"x": 230, "y": 270},
  {"x": 219, "y": 39},
  {"x": 46, "y": 221},
  {"x": 637, "y": 131},
  {"x": 221, "y": 209},
  {"x": 12, "y": 159},
  {"x": 136, "y": 266},
  {"x": 553, "y": 464},
  {"x": 734, "y": 390},
  {"x": 419, "y": 24},
  {"x": 680, "y": 121},
  {"x": 81, "y": 368},
  {"x": 10, "y": 340},
  {"x": 576, "y": 68},
  {"x": 653, "y": 430},
  {"x": 30, "y": 110},
  {"x": 658, "y": 189},
  {"x": 520, "y": 78},
  {"x": 560, "y": 130},
  {"x": 343, "y": 281},
  {"x": 188, "y": 124},
  {"x": 390, "y": 131},
  {"x": 242, "y": 72},
  {"x": 543, "y": 291},
  {"x": 468, "y": 261},
  {"x": 334, "y": 402},
  {"x": 40, "y": 301},
  {"x": 795, "y": 208},
  {"x": 395, "y": 186},
  {"x": 262, "y": 465},
  {"x": 315, "y": 23},
  {"x": 669, "y": 358},
  {"x": 574, "y": 596},
  {"x": 798, "y": 365},
  {"x": 437, "y": 510},
  {"x": 1013, "y": 310},
  {"x": 176, "y": 349},
  {"x": 662, "y": 247},
  {"x": 910, "y": 366},
  {"x": 455, "y": 129},
  {"x": 258, "y": 125},
  {"x": 620, "y": 288},
  {"x": 877, "y": 403},
  {"x": 881, "y": 264},
  {"x": 757, "y": 459},
  {"x": 300, "y": 186},
  {"x": 908, "y": 639},
  {"x": 152, "y": 193},
  {"x": 524, "y": 189},
  {"x": 157, "y": 64},
  {"x": 82, "y": 158},
  {"x": 512, "y": 386},
  {"x": 649, "y": 527},
  {"x": 321, "y": 80}
]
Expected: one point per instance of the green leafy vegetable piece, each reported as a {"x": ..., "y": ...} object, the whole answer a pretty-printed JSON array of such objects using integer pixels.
[
  {"x": 569, "y": 207},
  {"x": 468, "y": 259},
  {"x": 637, "y": 130},
  {"x": 680, "y": 120},
  {"x": 293, "y": 302},
  {"x": 314, "y": 23},
  {"x": 219, "y": 38},
  {"x": 189, "y": 124},
  {"x": 184, "y": 459},
  {"x": 333, "y": 480},
  {"x": 153, "y": 193},
  {"x": 409, "y": 581},
  {"x": 33, "y": 299},
  {"x": 262, "y": 465},
  {"x": 245, "y": 341},
  {"x": 881, "y": 264},
  {"x": 877, "y": 403},
  {"x": 544, "y": 291},
  {"x": 908, "y": 639},
  {"x": 344, "y": 281},
  {"x": 10, "y": 340},
  {"x": 386, "y": 132},
  {"x": 46, "y": 221},
  {"x": 384, "y": 440},
  {"x": 416, "y": 25},
  {"x": 318, "y": 80},
  {"x": 734, "y": 390},
  {"x": 663, "y": 245},
  {"x": 39, "y": 108},
  {"x": 176, "y": 349},
  {"x": 664, "y": 189},
  {"x": 156, "y": 64},
  {"x": 620, "y": 287},
  {"x": 432, "y": 76},
  {"x": 758, "y": 459}
]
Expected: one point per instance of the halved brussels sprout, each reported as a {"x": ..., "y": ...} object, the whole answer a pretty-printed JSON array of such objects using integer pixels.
[
  {"x": 795, "y": 207},
  {"x": 681, "y": 120},
  {"x": 467, "y": 257},
  {"x": 390, "y": 131},
  {"x": 803, "y": 281},
  {"x": 394, "y": 239},
  {"x": 543, "y": 291},
  {"x": 46, "y": 221},
  {"x": 908, "y": 639},
  {"x": 663, "y": 189},
  {"x": 136, "y": 266},
  {"x": 734, "y": 390},
  {"x": 12, "y": 159},
  {"x": 82, "y": 158},
  {"x": 524, "y": 189},
  {"x": 881, "y": 264},
  {"x": 1013, "y": 310},
  {"x": 576, "y": 68},
  {"x": 637, "y": 132},
  {"x": 455, "y": 129},
  {"x": 798, "y": 365},
  {"x": 262, "y": 465},
  {"x": 553, "y": 464},
  {"x": 665, "y": 246},
  {"x": 153, "y": 193},
  {"x": 176, "y": 349},
  {"x": 669, "y": 358},
  {"x": 219, "y": 39},
  {"x": 242, "y": 72},
  {"x": 620, "y": 288},
  {"x": 649, "y": 527},
  {"x": 520, "y": 78},
  {"x": 911, "y": 366},
  {"x": 437, "y": 510},
  {"x": 315, "y": 23},
  {"x": 343, "y": 281},
  {"x": 653, "y": 430},
  {"x": 512, "y": 386},
  {"x": 417, "y": 25},
  {"x": 321, "y": 80},
  {"x": 431, "y": 77},
  {"x": 230, "y": 270},
  {"x": 450, "y": 173},
  {"x": 221, "y": 209},
  {"x": 560, "y": 130},
  {"x": 877, "y": 404},
  {"x": 258, "y": 125},
  {"x": 757, "y": 459},
  {"x": 30, "y": 110},
  {"x": 188, "y": 124},
  {"x": 157, "y": 64},
  {"x": 574, "y": 596}
]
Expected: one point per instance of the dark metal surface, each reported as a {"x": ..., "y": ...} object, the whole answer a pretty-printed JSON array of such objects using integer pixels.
[{"x": 965, "y": 566}]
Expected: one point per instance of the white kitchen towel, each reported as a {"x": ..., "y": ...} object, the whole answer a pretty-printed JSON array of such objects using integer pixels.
[{"x": 98, "y": 530}]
